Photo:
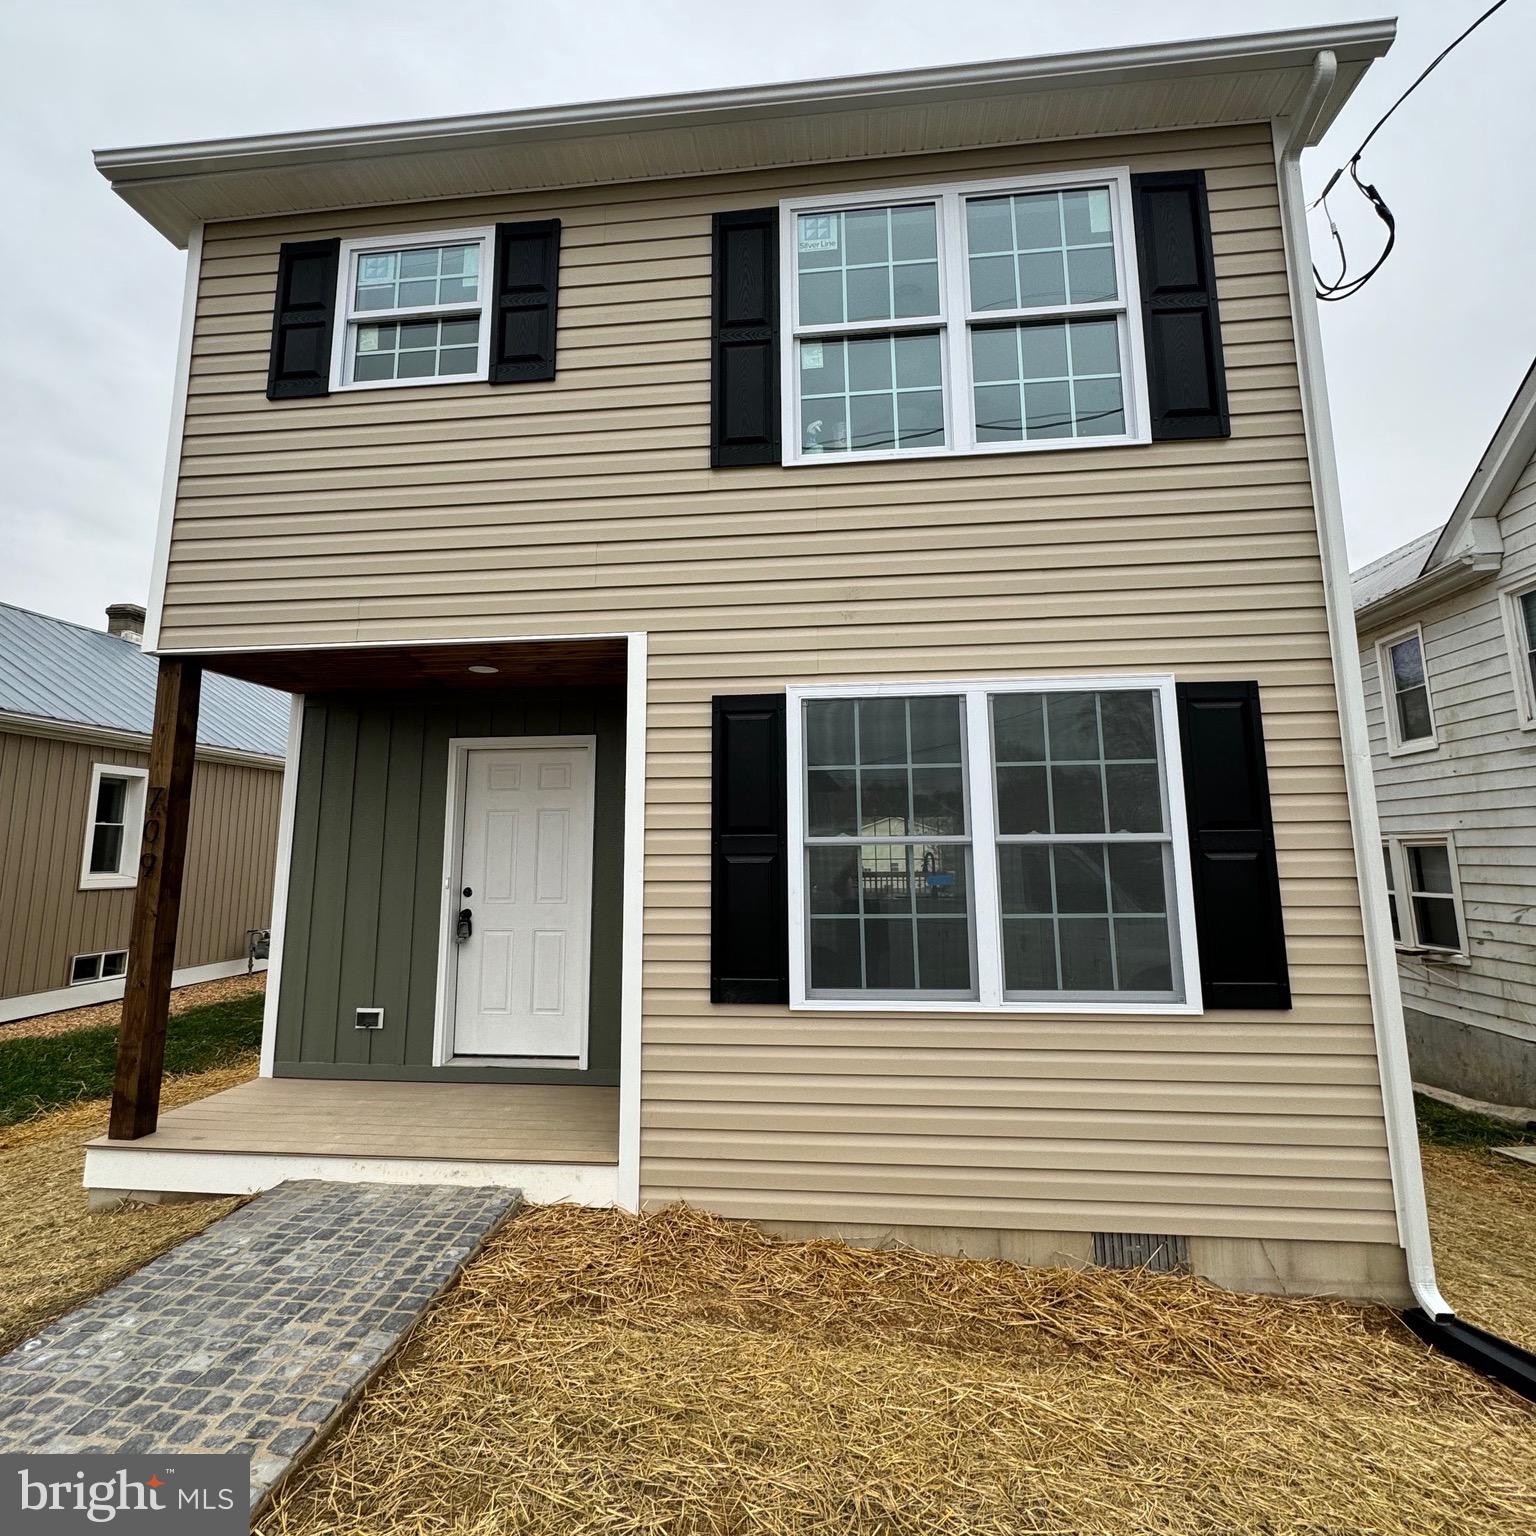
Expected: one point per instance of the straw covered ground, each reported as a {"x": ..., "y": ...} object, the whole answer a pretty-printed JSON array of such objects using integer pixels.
[
  {"x": 600, "y": 1373},
  {"x": 57, "y": 1253}
]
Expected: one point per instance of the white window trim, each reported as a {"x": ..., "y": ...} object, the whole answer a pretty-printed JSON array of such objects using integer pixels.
[
  {"x": 341, "y": 332},
  {"x": 1409, "y": 945},
  {"x": 1518, "y": 641},
  {"x": 983, "y": 836},
  {"x": 133, "y": 829},
  {"x": 954, "y": 320},
  {"x": 101, "y": 959},
  {"x": 1396, "y": 746}
]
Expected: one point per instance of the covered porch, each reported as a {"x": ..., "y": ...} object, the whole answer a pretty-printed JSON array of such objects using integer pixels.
[
  {"x": 550, "y": 1142},
  {"x": 412, "y": 1033}
]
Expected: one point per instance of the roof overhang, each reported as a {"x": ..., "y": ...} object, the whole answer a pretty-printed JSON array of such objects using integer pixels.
[
  {"x": 1257, "y": 77},
  {"x": 1483, "y": 559},
  {"x": 1503, "y": 462}
]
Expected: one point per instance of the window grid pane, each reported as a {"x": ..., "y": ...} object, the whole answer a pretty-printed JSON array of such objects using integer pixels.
[
  {"x": 868, "y": 264},
  {"x": 1085, "y": 864},
  {"x": 416, "y": 349},
  {"x": 417, "y": 277},
  {"x": 871, "y": 392},
  {"x": 889, "y": 893},
  {"x": 1048, "y": 379},
  {"x": 1397, "y": 927},
  {"x": 1041, "y": 250}
]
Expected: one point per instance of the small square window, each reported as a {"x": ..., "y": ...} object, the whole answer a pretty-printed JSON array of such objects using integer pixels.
[
  {"x": 414, "y": 312},
  {"x": 84, "y": 968}
]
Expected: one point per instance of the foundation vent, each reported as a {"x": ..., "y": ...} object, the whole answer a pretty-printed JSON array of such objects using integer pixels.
[{"x": 1158, "y": 1252}]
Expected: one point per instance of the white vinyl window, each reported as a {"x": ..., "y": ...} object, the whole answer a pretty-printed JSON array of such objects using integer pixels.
[
  {"x": 1005, "y": 845},
  {"x": 1405, "y": 698},
  {"x": 412, "y": 309},
  {"x": 114, "y": 822},
  {"x": 101, "y": 967},
  {"x": 1392, "y": 908},
  {"x": 1424, "y": 887},
  {"x": 1520, "y": 627},
  {"x": 974, "y": 318}
]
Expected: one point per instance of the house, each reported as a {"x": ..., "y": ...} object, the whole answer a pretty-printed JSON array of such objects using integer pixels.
[
  {"x": 822, "y": 665},
  {"x": 1447, "y": 630},
  {"x": 76, "y": 711}
]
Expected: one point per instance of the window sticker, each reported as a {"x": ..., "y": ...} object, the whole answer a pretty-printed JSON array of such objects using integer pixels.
[
  {"x": 810, "y": 356},
  {"x": 367, "y": 341},
  {"x": 1098, "y": 210},
  {"x": 818, "y": 232}
]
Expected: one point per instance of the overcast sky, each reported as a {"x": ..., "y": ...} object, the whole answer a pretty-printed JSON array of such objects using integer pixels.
[{"x": 1421, "y": 364}]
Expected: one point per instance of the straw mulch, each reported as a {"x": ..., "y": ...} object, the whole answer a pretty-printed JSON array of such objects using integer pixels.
[
  {"x": 99, "y": 1014},
  {"x": 1482, "y": 1215},
  {"x": 600, "y": 1373},
  {"x": 57, "y": 1253}
]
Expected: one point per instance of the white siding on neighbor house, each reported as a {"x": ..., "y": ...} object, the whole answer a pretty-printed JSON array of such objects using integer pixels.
[{"x": 1479, "y": 785}]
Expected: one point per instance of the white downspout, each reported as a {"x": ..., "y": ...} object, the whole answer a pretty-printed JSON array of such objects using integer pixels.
[{"x": 1290, "y": 135}]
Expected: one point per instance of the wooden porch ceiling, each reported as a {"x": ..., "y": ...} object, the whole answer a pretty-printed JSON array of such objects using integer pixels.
[{"x": 518, "y": 664}]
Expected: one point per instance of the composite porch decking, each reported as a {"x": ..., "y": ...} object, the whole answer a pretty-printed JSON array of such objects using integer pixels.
[{"x": 553, "y": 1142}]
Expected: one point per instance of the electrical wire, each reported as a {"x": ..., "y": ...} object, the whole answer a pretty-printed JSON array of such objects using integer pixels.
[{"x": 1344, "y": 286}]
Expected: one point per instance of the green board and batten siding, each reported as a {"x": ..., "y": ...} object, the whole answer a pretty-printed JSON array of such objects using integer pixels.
[{"x": 365, "y": 885}]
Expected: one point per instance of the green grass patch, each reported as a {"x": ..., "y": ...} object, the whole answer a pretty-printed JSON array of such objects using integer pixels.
[
  {"x": 1446, "y": 1126},
  {"x": 44, "y": 1073}
]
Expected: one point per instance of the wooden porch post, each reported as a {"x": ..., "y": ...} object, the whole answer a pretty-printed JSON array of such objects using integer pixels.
[{"x": 156, "y": 902}]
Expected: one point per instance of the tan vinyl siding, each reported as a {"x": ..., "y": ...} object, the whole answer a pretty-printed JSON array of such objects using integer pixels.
[
  {"x": 588, "y": 504},
  {"x": 46, "y": 919}
]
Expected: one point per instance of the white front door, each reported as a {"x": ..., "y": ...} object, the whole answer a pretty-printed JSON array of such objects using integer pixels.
[{"x": 521, "y": 910}]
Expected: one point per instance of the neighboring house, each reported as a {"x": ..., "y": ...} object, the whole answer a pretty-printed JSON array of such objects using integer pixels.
[
  {"x": 824, "y": 684},
  {"x": 1447, "y": 631},
  {"x": 76, "y": 707}
]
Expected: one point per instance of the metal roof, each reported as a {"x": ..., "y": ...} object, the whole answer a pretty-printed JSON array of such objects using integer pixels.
[
  {"x": 51, "y": 669},
  {"x": 1392, "y": 572},
  {"x": 1253, "y": 78}
]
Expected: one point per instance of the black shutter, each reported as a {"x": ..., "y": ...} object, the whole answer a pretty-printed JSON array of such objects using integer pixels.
[
  {"x": 301, "y": 320},
  {"x": 527, "y": 280},
  {"x": 744, "y": 375},
  {"x": 749, "y": 894},
  {"x": 1232, "y": 847},
  {"x": 1186, "y": 377}
]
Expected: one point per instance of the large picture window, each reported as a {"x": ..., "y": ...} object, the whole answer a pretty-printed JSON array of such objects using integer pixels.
[
  {"x": 990, "y": 844},
  {"x": 984, "y": 317}
]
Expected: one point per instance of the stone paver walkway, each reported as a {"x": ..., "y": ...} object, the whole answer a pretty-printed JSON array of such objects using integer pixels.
[{"x": 252, "y": 1336}]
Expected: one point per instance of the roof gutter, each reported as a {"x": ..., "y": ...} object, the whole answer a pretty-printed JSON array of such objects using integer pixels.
[
  {"x": 1107, "y": 66},
  {"x": 1466, "y": 570},
  {"x": 1432, "y": 1320}
]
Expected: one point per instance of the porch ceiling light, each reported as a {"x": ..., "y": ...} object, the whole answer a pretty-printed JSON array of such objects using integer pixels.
[{"x": 483, "y": 669}]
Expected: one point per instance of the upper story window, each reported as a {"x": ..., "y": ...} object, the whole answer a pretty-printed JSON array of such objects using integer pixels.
[
  {"x": 985, "y": 317},
  {"x": 1520, "y": 624},
  {"x": 1410, "y": 717},
  {"x": 412, "y": 310},
  {"x": 113, "y": 822},
  {"x": 992, "y": 844}
]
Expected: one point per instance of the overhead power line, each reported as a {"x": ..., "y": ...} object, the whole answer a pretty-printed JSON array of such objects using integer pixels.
[{"x": 1344, "y": 286}]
